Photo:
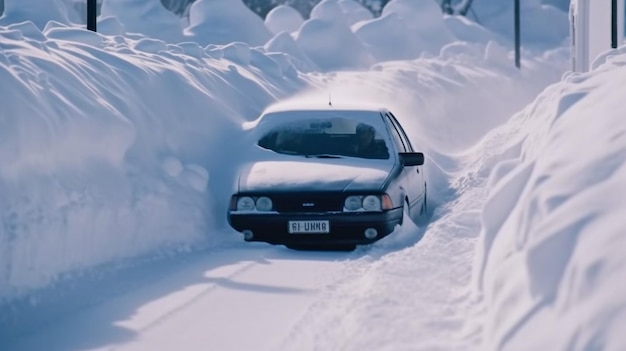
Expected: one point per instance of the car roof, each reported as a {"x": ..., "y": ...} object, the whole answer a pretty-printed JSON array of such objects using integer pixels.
[
  {"x": 308, "y": 106},
  {"x": 305, "y": 108}
]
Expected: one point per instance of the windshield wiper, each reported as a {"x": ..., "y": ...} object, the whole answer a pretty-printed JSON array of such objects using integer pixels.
[{"x": 322, "y": 156}]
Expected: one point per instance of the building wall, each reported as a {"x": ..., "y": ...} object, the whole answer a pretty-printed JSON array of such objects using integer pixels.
[{"x": 591, "y": 30}]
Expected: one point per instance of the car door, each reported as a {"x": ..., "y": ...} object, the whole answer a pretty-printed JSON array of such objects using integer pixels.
[
  {"x": 420, "y": 169},
  {"x": 413, "y": 174}
]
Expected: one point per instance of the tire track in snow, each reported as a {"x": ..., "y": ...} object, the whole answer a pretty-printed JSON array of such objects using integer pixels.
[
  {"x": 203, "y": 291},
  {"x": 134, "y": 308}
]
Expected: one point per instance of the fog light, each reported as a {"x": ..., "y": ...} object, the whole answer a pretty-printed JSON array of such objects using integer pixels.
[
  {"x": 247, "y": 235},
  {"x": 371, "y": 233}
]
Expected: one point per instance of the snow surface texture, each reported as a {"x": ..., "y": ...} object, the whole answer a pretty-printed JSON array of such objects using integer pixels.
[
  {"x": 145, "y": 17},
  {"x": 358, "y": 40},
  {"x": 551, "y": 246},
  {"x": 108, "y": 167},
  {"x": 100, "y": 159},
  {"x": 283, "y": 19},
  {"x": 225, "y": 21},
  {"x": 34, "y": 11},
  {"x": 118, "y": 145}
]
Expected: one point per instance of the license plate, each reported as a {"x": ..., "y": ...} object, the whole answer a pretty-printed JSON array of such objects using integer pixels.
[{"x": 305, "y": 227}]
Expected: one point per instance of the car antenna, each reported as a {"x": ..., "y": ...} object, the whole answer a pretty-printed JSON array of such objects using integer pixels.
[{"x": 330, "y": 102}]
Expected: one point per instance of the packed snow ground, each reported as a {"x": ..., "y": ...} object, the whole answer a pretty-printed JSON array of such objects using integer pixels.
[{"x": 116, "y": 146}]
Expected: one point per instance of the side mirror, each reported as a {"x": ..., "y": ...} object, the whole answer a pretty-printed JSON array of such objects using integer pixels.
[{"x": 411, "y": 158}]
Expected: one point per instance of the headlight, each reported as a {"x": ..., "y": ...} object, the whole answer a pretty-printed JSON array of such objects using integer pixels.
[
  {"x": 264, "y": 203},
  {"x": 371, "y": 203},
  {"x": 362, "y": 203},
  {"x": 352, "y": 203},
  {"x": 245, "y": 203}
]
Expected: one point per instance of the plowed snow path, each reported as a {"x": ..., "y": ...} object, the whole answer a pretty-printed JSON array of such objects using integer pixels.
[{"x": 235, "y": 299}]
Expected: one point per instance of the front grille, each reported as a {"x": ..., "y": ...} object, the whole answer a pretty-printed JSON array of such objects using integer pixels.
[{"x": 299, "y": 202}]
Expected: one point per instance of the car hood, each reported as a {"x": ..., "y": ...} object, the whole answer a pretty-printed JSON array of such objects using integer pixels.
[{"x": 313, "y": 175}]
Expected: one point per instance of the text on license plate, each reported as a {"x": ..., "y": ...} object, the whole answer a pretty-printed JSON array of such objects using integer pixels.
[{"x": 298, "y": 227}]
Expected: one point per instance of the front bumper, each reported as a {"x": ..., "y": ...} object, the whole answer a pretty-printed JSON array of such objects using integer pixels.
[{"x": 346, "y": 228}]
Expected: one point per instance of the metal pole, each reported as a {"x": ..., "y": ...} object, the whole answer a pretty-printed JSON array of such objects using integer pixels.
[
  {"x": 614, "y": 29},
  {"x": 446, "y": 7},
  {"x": 518, "y": 60},
  {"x": 91, "y": 15}
]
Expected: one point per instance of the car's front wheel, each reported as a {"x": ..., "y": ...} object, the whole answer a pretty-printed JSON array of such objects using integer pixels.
[
  {"x": 406, "y": 212},
  {"x": 424, "y": 208}
]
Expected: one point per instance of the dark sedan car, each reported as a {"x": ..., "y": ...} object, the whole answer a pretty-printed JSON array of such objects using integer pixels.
[{"x": 327, "y": 177}]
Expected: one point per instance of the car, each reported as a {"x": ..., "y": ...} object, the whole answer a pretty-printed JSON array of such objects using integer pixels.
[{"x": 327, "y": 177}]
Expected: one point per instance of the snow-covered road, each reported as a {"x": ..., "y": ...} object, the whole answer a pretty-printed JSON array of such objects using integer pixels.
[
  {"x": 253, "y": 296},
  {"x": 234, "y": 299},
  {"x": 248, "y": 305}
]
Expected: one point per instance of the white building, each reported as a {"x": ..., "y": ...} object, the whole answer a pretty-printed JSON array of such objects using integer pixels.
[{"x": 596, "y": 26}]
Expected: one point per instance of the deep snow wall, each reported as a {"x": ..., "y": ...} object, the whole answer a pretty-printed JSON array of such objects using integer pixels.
[
  {"x": 113, "y": 146},
  {"x": 550, "y": 262},
  {"x": 106, "y": 146}
]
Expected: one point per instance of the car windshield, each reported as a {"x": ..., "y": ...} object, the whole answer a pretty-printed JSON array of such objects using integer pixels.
[{"x": 326, "y": 138}]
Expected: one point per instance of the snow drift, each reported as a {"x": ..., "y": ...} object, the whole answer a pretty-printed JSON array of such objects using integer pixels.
[
  {"x": 114, "y": 147},
  {"x": 105, "y": 146},
  {"x": 552, "y": 243}
]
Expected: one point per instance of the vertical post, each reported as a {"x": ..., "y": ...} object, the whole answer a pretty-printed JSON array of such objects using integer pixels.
[
  {"x": 614, "y": 24},
  {"x": 446, "y": 7},
  {"x": 91, "y": 15},
  {"x": 518, "y": 60}
]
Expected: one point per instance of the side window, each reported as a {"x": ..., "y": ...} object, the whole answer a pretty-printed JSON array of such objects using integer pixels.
[
  {"x": 403, "y": 135},
  {"x": 397, "y": 139}
]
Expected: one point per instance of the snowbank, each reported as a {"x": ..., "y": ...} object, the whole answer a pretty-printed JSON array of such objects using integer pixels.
[
  {"x": 406, "y": 30},
  {"x": 550, "y": 263},
  {"x": 38, "y": 12},
  {"x": 283, "y": 18},
  {"x": 329, "y": 10},
  {"x": 344, "y": 52},
  {"x": 354, "y": 11},
  {"x": 110, "y": 147},
  {"x": 115, "y": 145},
  {"x": 148, "y": 18},
  {"x": 285, "y": 43},
  {"x": 225, "y": 21}
]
